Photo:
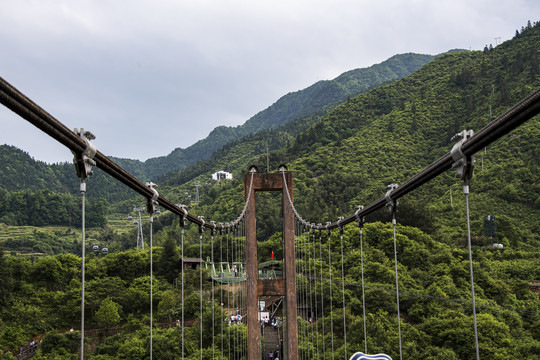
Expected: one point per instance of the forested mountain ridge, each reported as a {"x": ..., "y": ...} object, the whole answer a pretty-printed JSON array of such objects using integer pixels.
[
  {"x": 294, "y": 105},
  {"x": 20, "y": 172},
  {"x": 394, "y": 131}
]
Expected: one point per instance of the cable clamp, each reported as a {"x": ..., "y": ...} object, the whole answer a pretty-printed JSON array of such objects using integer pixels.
[
  {"x": 213, "y": 230},
  {"x": 221, "y": 226},
  {"x": 360, "y": 219},
  {"x": 184, "y": 215},
  {"x": 463, "y": 164},
  {"x": 201, "y": 226},
  {"x": 327, "y": 229},
  {"x": 340, "y": 219},
  {"x": 391, "y": 203},
  {"x": 84, "y": 161},
  {"x": 152, "y": 202}
]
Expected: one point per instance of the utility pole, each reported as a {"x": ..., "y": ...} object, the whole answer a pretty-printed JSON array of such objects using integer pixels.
[
  {"x": 140, "y": 241},
  {"x": 197, "y": 186}
]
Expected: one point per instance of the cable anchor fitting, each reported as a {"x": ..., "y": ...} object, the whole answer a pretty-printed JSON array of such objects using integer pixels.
[
  {"x": 463, "y": 164},
  {"x": 84, "y": 161},
  {"x": 341, "y": 227}
]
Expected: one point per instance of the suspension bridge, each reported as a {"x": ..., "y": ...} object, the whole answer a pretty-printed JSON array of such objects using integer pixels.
[{"x": 296, "y": 289}]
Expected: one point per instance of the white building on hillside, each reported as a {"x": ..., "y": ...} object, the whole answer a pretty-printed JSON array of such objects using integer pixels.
[{"x": 221, "y": 175}]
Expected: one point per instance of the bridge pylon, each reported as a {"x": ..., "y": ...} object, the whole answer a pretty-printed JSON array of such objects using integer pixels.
[{"x": 271, "y": 287}]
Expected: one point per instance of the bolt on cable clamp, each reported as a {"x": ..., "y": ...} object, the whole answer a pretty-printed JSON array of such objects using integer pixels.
[
  {"x": 463, "y": 164},
  {"x": 84, "y": 161}
]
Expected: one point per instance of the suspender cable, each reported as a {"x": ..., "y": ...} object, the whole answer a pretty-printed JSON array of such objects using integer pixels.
[
  {"x": 300, "y": 284},
  {"x": 152, "y": 202},
  {"x": 83, "y": 192},
  {"x": 201, "y": 229},
  {"x": 235, "y": 296},
  {"x": 229, "y": 321},
  {"x": 244, "y": 285},
  {"x": 83, "y": 162},
  {"x": 343, "y": 290},
  {"x": 330, "y": 283},
  {"x": 182, "y": 225},
  {"x": 397, "y": 285},
  {"x": 151, "y": 285},
  {"x": 242, "y": 261},
  {"x": 361, "y": 221},
  {"x": 308, "y": 295},
  {"x": 241, "y": 288},
  {"x": 305, "y": 285},
  {"x": 298, "y": 280},
  {"x": 311, "y": 290},
  {"x": 221, "y": 287},
  {"x": 392, "y": 205},
  {"x": 305, "y": 292},
  {"x": 464, "y": 164},
  {"x": 363, "y": 292},
  {"x": 322, "y": 291},
  {"x": 212, "y": 275},
  {"x": 466, "y": 192}
]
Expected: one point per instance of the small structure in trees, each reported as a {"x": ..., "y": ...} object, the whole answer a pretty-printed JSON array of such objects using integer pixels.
[
  {"x": 221, "y": 175},
  {"x": 191, "y": 263}
]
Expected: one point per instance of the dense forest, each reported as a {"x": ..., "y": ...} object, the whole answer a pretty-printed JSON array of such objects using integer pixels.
[{"x": 341, "y": 158}]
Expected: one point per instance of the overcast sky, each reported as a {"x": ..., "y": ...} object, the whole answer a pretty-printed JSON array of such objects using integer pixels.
[{"x": 147, "y": 77}]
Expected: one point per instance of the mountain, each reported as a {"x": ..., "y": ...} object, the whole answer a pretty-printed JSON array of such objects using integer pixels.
[
  {"x": 392, "y": 132},
  {"x": 317, "y": 97},
  {"x": 19, "y": 171}
]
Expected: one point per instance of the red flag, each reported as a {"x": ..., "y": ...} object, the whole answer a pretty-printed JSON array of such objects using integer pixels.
[{"x": 272, "y": 254}]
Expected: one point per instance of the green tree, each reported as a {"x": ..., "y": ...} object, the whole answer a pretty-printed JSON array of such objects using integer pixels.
[
  {"x": 169, "y": 262},
  {"x": 6, "y": 283},
  {"x": 169, "y": 306},
  {"x": 107, "y": 316}
]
